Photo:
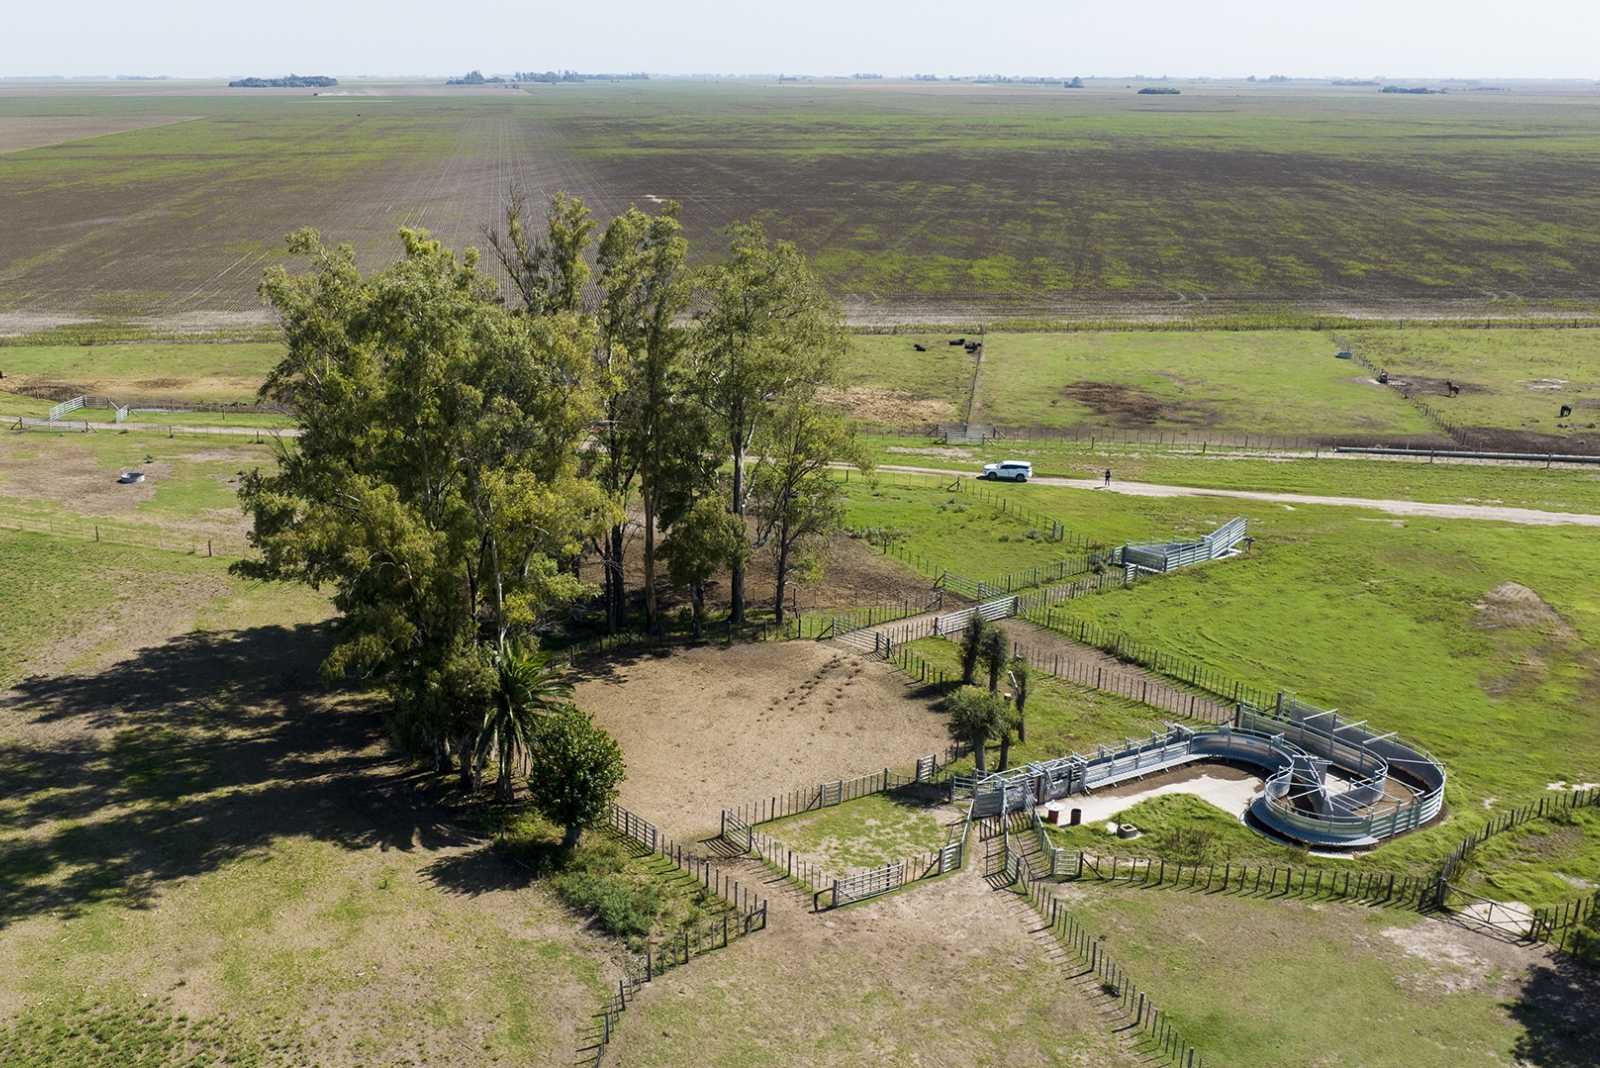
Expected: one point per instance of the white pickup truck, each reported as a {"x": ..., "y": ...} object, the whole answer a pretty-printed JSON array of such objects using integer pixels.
[{"x": 1008, "y": 471}]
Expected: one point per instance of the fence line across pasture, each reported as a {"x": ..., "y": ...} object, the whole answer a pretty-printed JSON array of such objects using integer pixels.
[
  {"x": 1135, "y": 686},
  {"x": 1135, "y": 1005},
  {"x": 124, "y": 535},
  {"x": 928, "y": 770}
]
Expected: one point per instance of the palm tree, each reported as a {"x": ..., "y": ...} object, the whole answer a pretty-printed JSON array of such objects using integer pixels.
[
  {"x": 528, "y": 685},
  {"x": 993, "y": 653},
  {"x": 972, "y": 646}
]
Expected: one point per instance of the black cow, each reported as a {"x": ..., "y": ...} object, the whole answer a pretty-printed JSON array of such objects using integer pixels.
[
  {"x": 919, "y": 347},
  {"x": 1566, "y": 411},
  {"x": 1453, "y": 389},
  {"x": 959, "y": 341}
]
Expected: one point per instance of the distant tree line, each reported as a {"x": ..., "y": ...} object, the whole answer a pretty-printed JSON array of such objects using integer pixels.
[
  {"x": 476, "y": 77},
  {"x": 462, "y": 450},
  {"x": 293, "y": 81}
]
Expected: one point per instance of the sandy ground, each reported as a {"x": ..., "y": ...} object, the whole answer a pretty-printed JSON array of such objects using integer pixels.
[
  {"x": 1523, "y": 516},
  {"x": 1229, "y": 789},
  {"x": 18, "y": 134},
  {"x": 713, "y": 727}
]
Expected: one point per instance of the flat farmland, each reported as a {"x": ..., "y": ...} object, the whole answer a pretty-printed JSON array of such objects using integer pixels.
[
  {"x": 951, "y": 198},
  {"x": 1266, "y": 382},
  {"x": 932, "y": 202},
  {"x": 174, "y": 223},
  {"x": 1512, "y": 381},
  {"x": 188, "y": 373}
]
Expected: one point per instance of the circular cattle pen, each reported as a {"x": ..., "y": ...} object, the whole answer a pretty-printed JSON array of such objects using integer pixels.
[{"x": 1328, "y": 783}]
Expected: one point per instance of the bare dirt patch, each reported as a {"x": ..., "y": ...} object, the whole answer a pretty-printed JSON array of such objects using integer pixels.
[
  {"x": 1512, "y": 605},
  {"x": 709, "y": 727},
  {"x": 73, "y": 476},
  {"x": 889, "y": 407},
  {"x": 17, "y": 134},
  {"x": 853, "y": 574},
  {"x": 1122, "y": 405},
  {"x": 1454, "y": 959}
]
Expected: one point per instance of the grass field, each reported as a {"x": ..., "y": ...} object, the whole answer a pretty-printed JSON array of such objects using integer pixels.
[
  {"x": 1510, "y": 380},
  {"x": 1472, "y": 639},
  {"x": 190, "y": 485},
  {"x": 963, "y": 532},
  {"x": 216, "y": 373},
  {"x": 205, "y": 857},
  {"x": 1281, "y": 982},
  {"x": 1230, "y": 382},
  {"x": 1264, "y": 382},
  {"x": 1543, "y": 862},
  {"x": 911, "y": 198},
  {"x": 863, "y": 833}
]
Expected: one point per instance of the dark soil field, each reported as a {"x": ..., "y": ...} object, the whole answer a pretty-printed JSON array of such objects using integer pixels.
[{"x": 917, "y": 202}]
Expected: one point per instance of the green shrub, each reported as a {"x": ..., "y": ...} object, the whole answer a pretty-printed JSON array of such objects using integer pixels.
[{"x": 621, "y": 906}]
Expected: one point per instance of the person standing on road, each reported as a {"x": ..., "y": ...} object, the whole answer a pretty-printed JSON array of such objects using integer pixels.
[{"x": 1108, "y": 476}]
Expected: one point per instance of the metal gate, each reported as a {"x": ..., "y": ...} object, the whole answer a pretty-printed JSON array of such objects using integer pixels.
[{"x": 1486, "y": 913}]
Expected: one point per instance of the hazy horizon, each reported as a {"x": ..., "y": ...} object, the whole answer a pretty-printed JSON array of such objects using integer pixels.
[{"x": 1421, "y": 40}]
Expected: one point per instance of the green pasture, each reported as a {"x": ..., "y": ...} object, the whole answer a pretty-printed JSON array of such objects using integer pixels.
[
  {"x": 863, "y": 833},
  {"x": 1543, "y": 862},
  {"x": 205, "y": 858},
  {"x": 944, "y": 529},
  {"x": 1251, "y": 981},
  {"x": 1063, "y": 717},
  {"x": 1263, "y": 382},
  {"x": 1509, "y": 379},
  {"x": 53, "y": 588},
  {"x": 13, "y": 405},
  {"x": 212, "y": 372},
  {"x": 190, "y": 481},
  {"x": 888, "y": 382},
  {"x": 1470, "y": 638}
]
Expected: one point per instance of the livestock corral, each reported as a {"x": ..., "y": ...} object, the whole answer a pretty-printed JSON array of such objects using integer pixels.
[{"x": 806, "y": 805}]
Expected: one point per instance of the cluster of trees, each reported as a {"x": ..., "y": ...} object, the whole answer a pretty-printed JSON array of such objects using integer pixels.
[
  {"x": 979, "y": 716},
  {"x": 293, "y": 81},
  {"x": 459, "y": 452}
]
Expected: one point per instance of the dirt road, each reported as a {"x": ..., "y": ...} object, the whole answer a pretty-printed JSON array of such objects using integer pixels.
[{"x": 1524, "y": 516}]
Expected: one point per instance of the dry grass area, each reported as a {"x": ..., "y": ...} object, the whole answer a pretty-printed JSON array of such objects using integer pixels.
[
  {"x": 190, "y": 483},
  {"x": 20, "y": 133},
  {"x": 711, "y": 727},
  {"x": 194, "y": 831}
]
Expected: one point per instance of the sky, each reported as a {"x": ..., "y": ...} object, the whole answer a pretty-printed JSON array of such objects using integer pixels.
[{"x": 1221, "y": 38}]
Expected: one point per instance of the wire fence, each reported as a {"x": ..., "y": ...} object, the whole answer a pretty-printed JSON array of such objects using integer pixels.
[
  {"x": 1134, "y": 685},
  {"x": 125, "y": 534},
  {"x": 743, "y": 913},
  {"x": 1136, "y": 1005}
]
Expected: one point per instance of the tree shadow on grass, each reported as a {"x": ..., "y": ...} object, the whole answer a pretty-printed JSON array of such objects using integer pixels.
[
  {"x": 187, "y": 756},
  {"x": 1559, "y": 1009}
]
